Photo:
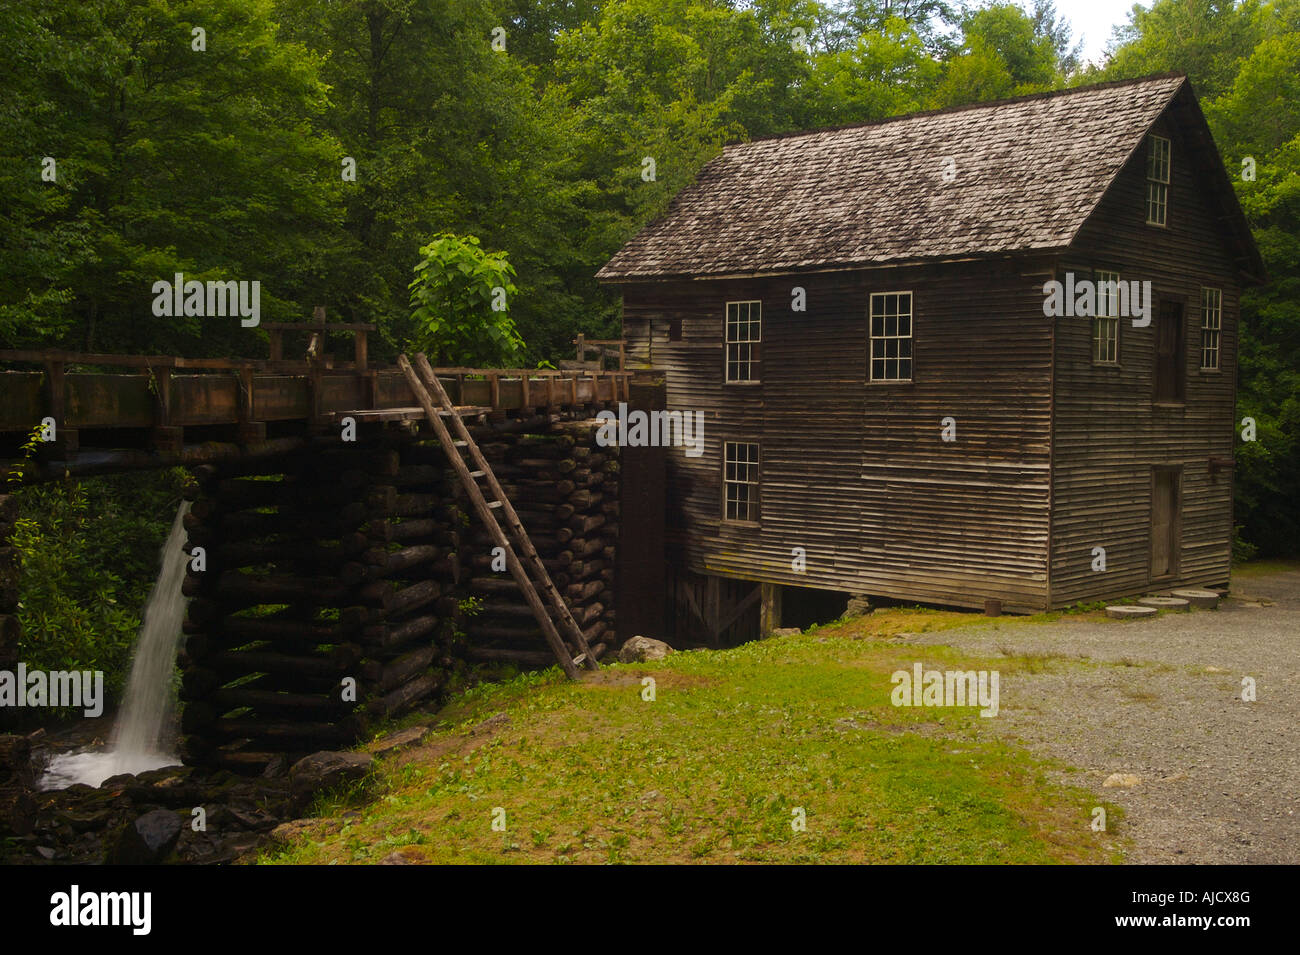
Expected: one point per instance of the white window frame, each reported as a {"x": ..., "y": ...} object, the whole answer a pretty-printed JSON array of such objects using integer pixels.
[
  {"x": 1211, "y": 326},
  {"x": 1159, "y": 164},
  {"x": 747, "y": 356},
  {"x": 886, "y": 337},
  {"x": 746, "y": 474},
  {"x": 1105, "y": 324}
]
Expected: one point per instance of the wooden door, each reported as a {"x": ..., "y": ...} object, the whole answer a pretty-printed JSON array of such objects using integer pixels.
[
  {"x": 1165, "y": 522},
  {"x": 1171, "y": 364}
]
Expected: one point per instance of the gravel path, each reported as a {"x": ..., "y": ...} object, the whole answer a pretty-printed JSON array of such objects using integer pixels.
[{"x": 1219, "y": 778}]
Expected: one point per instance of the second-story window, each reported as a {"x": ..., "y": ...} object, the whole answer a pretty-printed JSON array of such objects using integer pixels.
[
  {"x": 1157, "y": 180},
  {"x": 744, "y": 336},
  {"x": 1211, "y": 326},
  {"x": 1105, "y": 326},
  {"x": 891, "y": 336}
]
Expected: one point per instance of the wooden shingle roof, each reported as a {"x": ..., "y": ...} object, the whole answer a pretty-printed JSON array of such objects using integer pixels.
[{"x": 1025, "y": 174}]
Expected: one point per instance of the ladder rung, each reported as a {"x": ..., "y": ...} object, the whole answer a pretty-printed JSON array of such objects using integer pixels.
[
  {"x": 494, "y": 504},
  {"x": 459, "y": 444},
  {"x": 477, "y": 474}
]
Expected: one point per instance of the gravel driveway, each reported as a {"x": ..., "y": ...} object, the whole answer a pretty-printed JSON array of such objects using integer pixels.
[{"x": 1219, "y": 778}]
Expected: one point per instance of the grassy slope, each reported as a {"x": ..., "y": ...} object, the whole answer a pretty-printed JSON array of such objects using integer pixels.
[{"x": 712, "y": 769}]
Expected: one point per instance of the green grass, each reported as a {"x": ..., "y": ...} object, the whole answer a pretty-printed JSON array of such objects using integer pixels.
[
  {"x": 1263, "y": 568},
  {"x": 714, "y": 768}
]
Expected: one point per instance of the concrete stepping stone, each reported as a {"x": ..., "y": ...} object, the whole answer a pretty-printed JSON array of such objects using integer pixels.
[
  {"x": 1125, "y": 612},
  {"x": 1165, "y": 603},
  {"x": 1205, "y": 599}
]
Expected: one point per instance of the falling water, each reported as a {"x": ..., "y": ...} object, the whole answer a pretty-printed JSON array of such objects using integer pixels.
[{"x": 140, "y": 738}]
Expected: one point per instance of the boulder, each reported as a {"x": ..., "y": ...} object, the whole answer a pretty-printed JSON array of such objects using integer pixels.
[
  {"x": 326, "y": 770},
  {"x": 399, "y": 740},
  {"x": 859, "y": 605},
  {"x": 149, "y": 840},
  {"x": 640, "y": 649}
]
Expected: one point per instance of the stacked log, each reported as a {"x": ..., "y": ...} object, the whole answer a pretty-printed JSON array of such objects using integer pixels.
[
  {"x": 564, "y": 486},
  {"x": 323, "y": 599}
]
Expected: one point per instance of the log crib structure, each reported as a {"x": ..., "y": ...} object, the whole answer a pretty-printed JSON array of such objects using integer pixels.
[{"x": 338, "y": 574}]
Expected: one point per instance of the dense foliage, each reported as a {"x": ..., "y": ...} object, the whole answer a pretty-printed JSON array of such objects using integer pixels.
[
  {"x": 89, "y": 554},
  {"x": 318, "y": 146}
]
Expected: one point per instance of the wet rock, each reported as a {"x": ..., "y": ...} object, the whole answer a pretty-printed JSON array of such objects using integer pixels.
[
  {"x": 277, "y": 767},
  {"x": 640, "y": 649},
  {"x": 87, "y": 820},
  {"x": 256, "y": 821},
  {"x": 149, "y": 840}
]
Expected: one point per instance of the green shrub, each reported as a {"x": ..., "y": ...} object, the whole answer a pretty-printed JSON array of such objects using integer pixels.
[{"x": 90, "y": 554}]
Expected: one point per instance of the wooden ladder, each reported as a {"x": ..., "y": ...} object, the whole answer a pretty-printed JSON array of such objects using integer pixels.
[{"x": 529, "y": 573}]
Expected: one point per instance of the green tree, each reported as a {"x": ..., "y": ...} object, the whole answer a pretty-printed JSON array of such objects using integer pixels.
[
  {"x": 1004, "y": 52},
  {"x": 167, "y": 159},
  {"x": 460, "y": 299}
]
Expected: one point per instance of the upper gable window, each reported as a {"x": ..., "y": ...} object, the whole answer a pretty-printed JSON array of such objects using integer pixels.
[
  {"x": 1157, "y": 180},
  {"x": 891, "y": 336},
  {"x": 1211, "y": 326},
  {"x": 744, "y": 336}
]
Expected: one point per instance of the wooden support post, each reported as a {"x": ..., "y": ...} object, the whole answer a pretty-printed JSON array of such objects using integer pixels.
[
  {"x": 770, "y": 614},
  {"x": 250, "y": 431},
  {"x": 362, "y": 355}
]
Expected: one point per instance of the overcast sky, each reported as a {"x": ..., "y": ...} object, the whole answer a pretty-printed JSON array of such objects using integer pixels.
[{"x": 1092, "y": 20}]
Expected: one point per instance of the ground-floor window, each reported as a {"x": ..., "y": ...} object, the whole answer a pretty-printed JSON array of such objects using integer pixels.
[{"x": 740, "y": 481}]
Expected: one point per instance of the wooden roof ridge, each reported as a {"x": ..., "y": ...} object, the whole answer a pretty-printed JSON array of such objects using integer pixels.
[
  {"x": 962, "y": 107},
  {"x": 1031, "y": 171}
]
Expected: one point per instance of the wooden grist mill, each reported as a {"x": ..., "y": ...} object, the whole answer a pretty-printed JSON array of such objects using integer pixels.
[{"x": 356, "y": 533}]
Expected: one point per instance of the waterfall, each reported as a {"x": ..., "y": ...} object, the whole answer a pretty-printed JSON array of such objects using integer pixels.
[{"x": 140, "y": 739}]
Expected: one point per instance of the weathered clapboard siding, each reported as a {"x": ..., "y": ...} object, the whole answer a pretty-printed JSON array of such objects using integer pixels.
[
  {"x": 1109, "y": 433},
  {"x": 853, "y": 472},
  {"x": 1054, "y": 456}
]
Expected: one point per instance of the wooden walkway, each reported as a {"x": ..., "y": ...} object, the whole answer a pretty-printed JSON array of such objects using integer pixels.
[{"x": 156, "y": 410}]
